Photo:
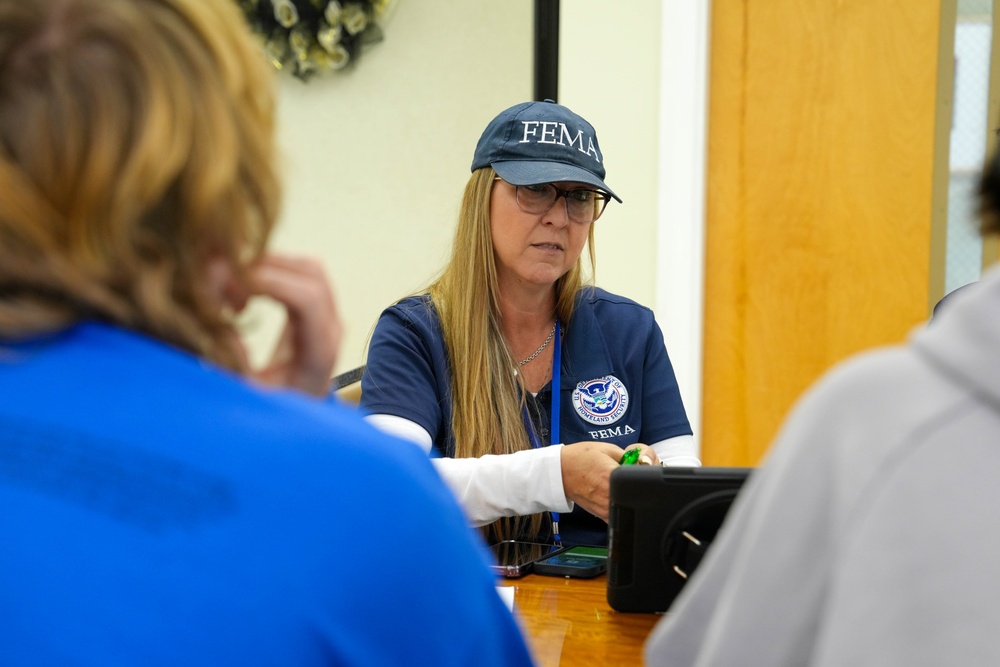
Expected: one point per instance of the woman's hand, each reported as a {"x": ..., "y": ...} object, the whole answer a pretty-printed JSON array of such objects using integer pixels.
[
  {"x": 306, "y": 352},
  {"x": 586, "y": 472}
]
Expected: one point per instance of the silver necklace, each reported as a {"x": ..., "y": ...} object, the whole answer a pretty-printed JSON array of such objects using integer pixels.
[{"x": 537, "y": 352}]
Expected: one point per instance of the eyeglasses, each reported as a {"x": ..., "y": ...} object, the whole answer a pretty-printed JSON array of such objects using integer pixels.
[{"x": 582, "y": 205}]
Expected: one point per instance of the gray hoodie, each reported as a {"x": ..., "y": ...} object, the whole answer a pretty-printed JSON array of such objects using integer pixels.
[{"x": 871, "y": 534}]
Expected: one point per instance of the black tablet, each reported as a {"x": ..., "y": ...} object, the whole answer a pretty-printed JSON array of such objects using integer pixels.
[
  {"x": 580, "y": 561},
  {"x": 661, "y": 523}
]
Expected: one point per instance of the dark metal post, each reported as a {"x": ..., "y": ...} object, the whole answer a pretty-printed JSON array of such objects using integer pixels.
[{"x": 547, "y": 50}]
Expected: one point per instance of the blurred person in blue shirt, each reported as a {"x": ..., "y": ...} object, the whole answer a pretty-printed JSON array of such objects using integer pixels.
[{"x": 163, "y": 503}]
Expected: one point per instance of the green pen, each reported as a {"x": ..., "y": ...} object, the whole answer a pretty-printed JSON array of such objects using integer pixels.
[{"x": 630, "y": 457}]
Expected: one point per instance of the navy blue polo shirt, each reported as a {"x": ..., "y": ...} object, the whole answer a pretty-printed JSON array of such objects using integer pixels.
[{"x": 617, "y": 382}]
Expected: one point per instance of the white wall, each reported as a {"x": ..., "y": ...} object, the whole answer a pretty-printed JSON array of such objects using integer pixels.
[
  {"x": 638, "y": 73},
  {"x": 609, "y": 74}
]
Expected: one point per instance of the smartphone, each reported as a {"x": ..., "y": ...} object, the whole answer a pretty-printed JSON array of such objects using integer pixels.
[
  {"x": 579, "y": 562},
  {"x": 514, "y": 559}
]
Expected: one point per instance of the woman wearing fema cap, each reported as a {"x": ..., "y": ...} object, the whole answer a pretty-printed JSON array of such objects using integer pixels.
[{"x": 508, "y": 357}]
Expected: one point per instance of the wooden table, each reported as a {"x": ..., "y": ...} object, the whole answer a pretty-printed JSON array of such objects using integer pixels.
[{"x": 569, "y": 622}]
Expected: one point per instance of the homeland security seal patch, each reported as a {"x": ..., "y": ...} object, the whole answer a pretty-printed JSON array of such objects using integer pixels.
[{"x": 601, "y": 401}]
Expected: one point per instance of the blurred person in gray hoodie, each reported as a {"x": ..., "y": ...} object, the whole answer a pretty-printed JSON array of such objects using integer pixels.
[{"x": 871, "y": 534}]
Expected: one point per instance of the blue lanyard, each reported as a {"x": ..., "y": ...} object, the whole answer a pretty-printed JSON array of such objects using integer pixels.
[
  {"x": 556, "y": 377},
  {"x": 554, "y": 417}
]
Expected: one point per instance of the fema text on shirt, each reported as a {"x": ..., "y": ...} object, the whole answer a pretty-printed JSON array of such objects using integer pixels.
[{"x": 615, "y": 432}]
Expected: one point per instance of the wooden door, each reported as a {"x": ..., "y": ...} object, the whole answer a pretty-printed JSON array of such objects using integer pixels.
[{"x": 822, "y": 123}]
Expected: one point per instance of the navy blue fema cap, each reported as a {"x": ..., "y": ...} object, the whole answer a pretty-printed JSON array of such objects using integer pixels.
[{"x": 542, "y": 142}]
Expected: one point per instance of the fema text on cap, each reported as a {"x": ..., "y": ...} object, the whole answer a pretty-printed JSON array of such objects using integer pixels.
[{"x": 548, "y": 132}]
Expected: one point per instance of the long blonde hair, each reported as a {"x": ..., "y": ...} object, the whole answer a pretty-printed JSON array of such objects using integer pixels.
[
  {"x": 136, "y": 143},
  {"x": 488, "y": 398}
]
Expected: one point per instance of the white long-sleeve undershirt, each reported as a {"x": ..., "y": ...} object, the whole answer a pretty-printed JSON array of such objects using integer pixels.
[{"x": 525, "y": 482}]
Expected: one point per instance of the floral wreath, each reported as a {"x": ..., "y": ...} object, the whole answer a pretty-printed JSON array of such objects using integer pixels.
[{"x": 307, "y": 37}]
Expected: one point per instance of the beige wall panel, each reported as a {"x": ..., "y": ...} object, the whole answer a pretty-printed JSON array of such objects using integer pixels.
[{"x": 821, "y": 128}]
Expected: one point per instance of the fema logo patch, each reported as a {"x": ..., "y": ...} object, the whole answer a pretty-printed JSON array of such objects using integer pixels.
[{"x": 601, "y": 401}]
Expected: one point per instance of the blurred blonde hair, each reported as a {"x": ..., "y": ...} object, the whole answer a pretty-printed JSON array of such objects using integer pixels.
[
  {"x": 136, "y": 144},
  {"x": 488, "y": 398}
]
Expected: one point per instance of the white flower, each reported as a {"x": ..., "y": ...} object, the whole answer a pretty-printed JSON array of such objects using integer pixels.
[
  {"x": 354, "y": 18},
  {"x": 333, "y": 12},
  {"x": 285, "y": 13},
  {"x": 381, "y": 7},
  {"x": 298, "y": 40},
  {"x": 329, "y": 37},
  {"x": 338, "y": 58}
]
